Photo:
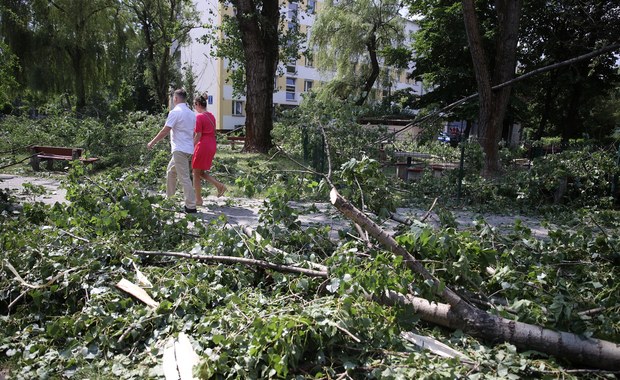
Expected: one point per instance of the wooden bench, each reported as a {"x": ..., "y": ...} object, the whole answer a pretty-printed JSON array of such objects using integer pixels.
[
  {"x": 56, "y": 153},
  {"x": 234, "y": 139}
]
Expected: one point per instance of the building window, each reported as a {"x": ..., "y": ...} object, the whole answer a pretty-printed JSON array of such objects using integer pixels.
[
  {"x": 292, "y": 10},
  {"x": 311, "y": 6},
  {"x": 308, "y": 85},
  {"x": 237, "y": 107},
  {"x": 290, "y": 69},
  {"x": 290, "y": 89}
]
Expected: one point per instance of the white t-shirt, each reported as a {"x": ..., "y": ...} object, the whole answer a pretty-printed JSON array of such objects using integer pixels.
[{"x": 182, "y": 121}]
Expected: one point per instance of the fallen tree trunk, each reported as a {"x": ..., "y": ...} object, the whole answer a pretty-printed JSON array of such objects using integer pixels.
[
  {"x": 589, "y": 352},
  {"x": 457, "y": 314},
  {"x": 458, "y": 304}
]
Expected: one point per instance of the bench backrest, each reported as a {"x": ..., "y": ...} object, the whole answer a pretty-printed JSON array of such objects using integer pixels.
[{"x": 57, "y": 150}]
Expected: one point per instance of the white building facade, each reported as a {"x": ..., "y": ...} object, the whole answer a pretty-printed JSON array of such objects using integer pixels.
[{"x": 293, "y": 78}]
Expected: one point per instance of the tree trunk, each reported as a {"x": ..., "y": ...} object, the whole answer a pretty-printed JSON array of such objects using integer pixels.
[
  {"x": 465, "y": 310},
  {"x": 550, "y": 94},
  {"x": 371, "y": 45},
  {"x": 80, "y": 88},
  {"x": 571, "y": 120},
  {"x": 493, "y": 105},
  {"x": 579, "y": 350},
  {"x": 460, "y": 315},
  {"x": 259, "y": 37}
]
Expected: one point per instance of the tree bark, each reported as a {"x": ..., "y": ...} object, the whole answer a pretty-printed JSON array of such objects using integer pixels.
[
  {"x": 371, "y": 45},
  {"x": 493, "y": 105},
  {"x": 579, "y": 350},
  {"x": 259, "y": 37},
  {"x": 460, "y": 315}
]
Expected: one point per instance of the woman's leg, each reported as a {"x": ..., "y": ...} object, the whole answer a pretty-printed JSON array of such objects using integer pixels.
[
  {"x": 198, "y": 186},
  {"x": 221, "y": 189}
]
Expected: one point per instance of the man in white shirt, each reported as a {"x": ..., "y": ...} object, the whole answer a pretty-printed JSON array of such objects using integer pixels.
[{"x": 180, "y": 125}]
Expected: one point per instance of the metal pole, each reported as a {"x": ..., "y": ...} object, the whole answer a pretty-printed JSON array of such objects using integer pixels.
[
  {"x": 458, "y": 191},
  {"x": 614, "y": 182}
]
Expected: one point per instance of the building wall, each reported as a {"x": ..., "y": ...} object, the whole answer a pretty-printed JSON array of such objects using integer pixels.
[{"x": 211, "y": 73}]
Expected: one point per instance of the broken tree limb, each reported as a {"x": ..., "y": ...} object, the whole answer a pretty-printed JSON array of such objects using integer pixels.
[
  {"x": 457, "y": 314},
  {"x": 428, "y": 213},
  {"x": 588, "y": 352},
  {"x": 136, "y": 291},
  {"x": 459, "y": 305},
  {"x": 400, "y": 219},
  {"x": 238, "y": 260},
  {"x": 435, "y": 346},
  {"x": 251, "y": 233}
]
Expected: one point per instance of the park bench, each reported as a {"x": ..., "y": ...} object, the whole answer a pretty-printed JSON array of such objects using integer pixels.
[
  {"x": 234, "y": 139},
  {"x": 232, "y": 135},
  {"x": 56, "y": 153}
]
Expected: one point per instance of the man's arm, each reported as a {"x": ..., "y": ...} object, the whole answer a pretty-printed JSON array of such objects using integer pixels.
[{"x": 165, "y": 131}]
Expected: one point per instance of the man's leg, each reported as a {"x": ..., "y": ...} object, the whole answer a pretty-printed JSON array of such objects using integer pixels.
[
  {"x": 171, "y": 178},
  {"x": 183, "y": 161}
]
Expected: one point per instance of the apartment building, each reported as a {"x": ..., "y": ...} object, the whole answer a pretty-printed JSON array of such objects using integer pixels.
[{"x": 294, "y": 79}]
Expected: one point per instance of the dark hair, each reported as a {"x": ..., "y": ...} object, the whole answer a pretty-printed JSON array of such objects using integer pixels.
[
  {"x": 202, "y": 99},
  {"x": 181, "y": 94}
]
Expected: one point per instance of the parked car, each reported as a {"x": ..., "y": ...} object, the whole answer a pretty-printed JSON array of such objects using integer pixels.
[{"x": 443, "y": 137}]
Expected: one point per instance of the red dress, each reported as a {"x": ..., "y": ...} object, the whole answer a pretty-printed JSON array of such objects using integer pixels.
[{"x": 204, "y": 151}]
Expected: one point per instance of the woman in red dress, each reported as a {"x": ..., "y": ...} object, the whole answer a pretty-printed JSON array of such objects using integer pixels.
[{"x": 204, "y": 149}]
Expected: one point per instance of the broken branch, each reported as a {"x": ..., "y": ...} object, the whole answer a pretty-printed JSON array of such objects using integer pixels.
[{"x": 238, "y": 260}]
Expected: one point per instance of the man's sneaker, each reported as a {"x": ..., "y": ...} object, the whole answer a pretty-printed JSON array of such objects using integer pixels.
[{"x": 189, "y": 210}]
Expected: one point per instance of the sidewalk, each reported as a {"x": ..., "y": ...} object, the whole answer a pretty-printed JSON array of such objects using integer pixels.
[{"x": 245, "y": 211}]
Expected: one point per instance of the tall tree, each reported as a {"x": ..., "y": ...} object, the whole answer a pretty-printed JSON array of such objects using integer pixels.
[
  {"x": 14, "y": 18},
  {"x": 562, "y": 99},
  {"x": 349, "y": 37},
  {"x": 258, "y": 26},
  {"x": 78, "y": 29},
  {"x": 493, "y": 104},
  {"x": 165, "y": 26},
  {"x": 8, "y": 69},
  {"x": 253, "y": 41},
  {"x": 442, "y": 61},
  {"x": 89, "y": 48}
]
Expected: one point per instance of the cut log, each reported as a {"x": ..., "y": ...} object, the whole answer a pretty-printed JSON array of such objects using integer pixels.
[{"x": 457, "y": 314}]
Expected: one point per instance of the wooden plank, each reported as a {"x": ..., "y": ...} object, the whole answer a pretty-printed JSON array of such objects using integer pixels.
[
  {"x": 186, "y": 357},
  {"x": 138, "y": 292},
  {"x": 169, "y": 361},
  {"x": 54, "y": 157},
  {"x": 179, "y": 359}
]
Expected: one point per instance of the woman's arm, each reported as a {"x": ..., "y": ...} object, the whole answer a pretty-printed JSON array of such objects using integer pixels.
[{"x": 197, "y": 137}]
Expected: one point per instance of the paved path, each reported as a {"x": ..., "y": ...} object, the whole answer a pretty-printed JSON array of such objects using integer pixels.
[
  {"x": 244, "y": 211},
  {"x": 53, "y": 192}
]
